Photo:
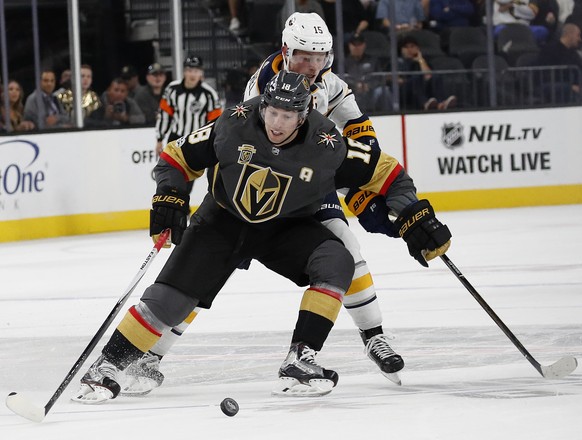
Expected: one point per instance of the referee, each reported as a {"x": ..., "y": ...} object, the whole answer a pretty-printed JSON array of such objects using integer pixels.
[{"x": 186, "y": 104}]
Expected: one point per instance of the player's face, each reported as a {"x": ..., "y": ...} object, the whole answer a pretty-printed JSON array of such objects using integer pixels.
[
  {"x": 281, "y": 125},
  {"x": 307, "y": 63}
]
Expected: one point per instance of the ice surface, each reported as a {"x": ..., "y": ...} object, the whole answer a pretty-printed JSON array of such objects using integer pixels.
[{"x": 463, "y": 378}]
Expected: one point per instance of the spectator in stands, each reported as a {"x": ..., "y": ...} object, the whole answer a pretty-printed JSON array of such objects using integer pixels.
[
  {"x": 563, "y": 52},
  {"x": 303, "y": 6},
  {"x": 450, "y": 13},
  {"x": 15, "y": 98},
  {"x": 148, "y": 97},
  {"x": 372, "y": 93},
  {"x": 576, "y": 16},
  {"x": 234, "y": 9},
  {"x": 357, "y": 15},
  {"x": 547, "y": 16},
  {"x": 565, "y": 9},
  {"x": 131, "y": 78},
  {"x": 42, "y": 108},
  {"x": 89, "y": 99},
  {"x": 64, "y": 82},
  {"x": 420, "y": 91},
  {"x": 518, "y": 11},
  {"x": 118, "y": 108},
  {"x": 306, "y": 6},
  {"x": 409, "y": 15}
]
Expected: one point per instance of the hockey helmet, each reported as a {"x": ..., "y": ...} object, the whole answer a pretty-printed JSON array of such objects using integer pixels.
[
  {"x": 307, "y": 32},
  {"x": 288, "y": 91}
]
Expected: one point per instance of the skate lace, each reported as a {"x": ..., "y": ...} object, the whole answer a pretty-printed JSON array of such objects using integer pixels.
[
  {"x": 379, "y": 345},
  {"x": 308, "y": 355},
  {"x": 149, "y": 361},
  {"x": 105, "y": 369}
]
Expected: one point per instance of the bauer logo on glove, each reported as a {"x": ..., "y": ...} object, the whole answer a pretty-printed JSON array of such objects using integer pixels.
[
  {"x": 163, "y": 198},
  {"x": 170, "y": 209},
  {"x": 425, "y": 236},
  {"x": 411, "y": 221}
]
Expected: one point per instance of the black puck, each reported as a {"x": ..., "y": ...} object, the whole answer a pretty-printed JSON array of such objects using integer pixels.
[{"x": 229, "y": 407}]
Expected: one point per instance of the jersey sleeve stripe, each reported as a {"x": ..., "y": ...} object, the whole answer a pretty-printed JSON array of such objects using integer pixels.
[
  {"x": 386, "y": 166},
  {"x": 174, "y": 163},
  {"x": 393, "y": 175},
  {"x": 166, "y": 107},
  {"x": 212, "y": 115}
]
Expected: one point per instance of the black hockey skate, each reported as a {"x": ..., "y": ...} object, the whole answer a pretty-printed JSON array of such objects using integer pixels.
[
  {"x": 142, "y": 376},
  {"x": 300, "y": 375},
  {"x": 378, "y": 349},
  {"x": 99, "y": 384}
]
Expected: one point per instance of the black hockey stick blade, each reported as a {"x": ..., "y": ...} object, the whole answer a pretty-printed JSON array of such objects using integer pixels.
[
  {"x": 559, "y": 369},
  {"x": 20, "y": 405}
]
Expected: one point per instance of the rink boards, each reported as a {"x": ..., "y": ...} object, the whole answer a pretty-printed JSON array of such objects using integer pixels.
[{"x": 96, "y": 181}]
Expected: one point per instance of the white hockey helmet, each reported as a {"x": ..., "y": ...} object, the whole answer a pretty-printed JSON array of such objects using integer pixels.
[{"x": 306, "y": 32}]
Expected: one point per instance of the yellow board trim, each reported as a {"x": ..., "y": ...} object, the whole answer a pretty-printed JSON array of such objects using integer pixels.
[
  {"x": 80, "y": 224},
  {"x": 505, "y": 197},
  {"x": 500, "y": 198}
]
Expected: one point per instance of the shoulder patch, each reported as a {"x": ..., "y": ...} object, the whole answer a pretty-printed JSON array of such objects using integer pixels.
[
  {"x": 327, "y": 139},
  {"x": 239, "y": 111}
]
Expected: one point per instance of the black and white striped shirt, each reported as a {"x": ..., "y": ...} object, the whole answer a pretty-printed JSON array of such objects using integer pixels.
[{"x": 184, "y": 110}]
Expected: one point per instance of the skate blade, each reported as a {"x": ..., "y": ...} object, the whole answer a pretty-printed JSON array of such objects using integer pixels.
[
  {"x": 92, "y": 395},
  {"x": 291, "y": 387},
  {"x": 393, "y": 377},
  {"x": 137, "y": 387}
]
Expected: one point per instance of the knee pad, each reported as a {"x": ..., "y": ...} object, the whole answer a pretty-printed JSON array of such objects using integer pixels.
[
  {"x": 331, "y": 264},
  {"x": 342, "y": 231},
  {"x": 168, "y": 304}
]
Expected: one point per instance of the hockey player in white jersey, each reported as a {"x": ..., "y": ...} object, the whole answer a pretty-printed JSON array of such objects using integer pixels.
[{"x": 307, "y": 49}]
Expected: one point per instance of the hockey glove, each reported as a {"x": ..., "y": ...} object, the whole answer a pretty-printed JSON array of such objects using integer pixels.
[
  {"x": 371, "y": 210},
  {"x": 170, "y": 209},
  {"x": 426, "y": 237}
]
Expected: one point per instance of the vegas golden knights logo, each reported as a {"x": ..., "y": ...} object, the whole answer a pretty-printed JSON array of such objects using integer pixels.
[{"x": 260, "y": 193}]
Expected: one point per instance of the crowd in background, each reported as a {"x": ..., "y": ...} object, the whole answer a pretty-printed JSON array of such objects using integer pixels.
[{"x": 554, "y": 25}]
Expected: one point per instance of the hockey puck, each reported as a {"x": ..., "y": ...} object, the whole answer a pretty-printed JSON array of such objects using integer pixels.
[{"x": 229, "y": 407}]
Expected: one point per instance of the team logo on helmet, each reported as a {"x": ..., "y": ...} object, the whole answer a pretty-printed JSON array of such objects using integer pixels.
[{"x": 260, "y": 193}]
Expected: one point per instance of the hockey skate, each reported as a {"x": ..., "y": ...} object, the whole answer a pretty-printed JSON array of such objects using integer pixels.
[
  {"x": 301, "y": 376},
  {"x": 378, "y": 349},
  {"x": 99, "y": 384},
  {"x": 142, "y": 376}
]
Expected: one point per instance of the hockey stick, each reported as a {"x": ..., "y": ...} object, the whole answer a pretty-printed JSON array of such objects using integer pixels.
[
  {"x": 23, "y": 407},
  {"x": 557, "y": 370}
]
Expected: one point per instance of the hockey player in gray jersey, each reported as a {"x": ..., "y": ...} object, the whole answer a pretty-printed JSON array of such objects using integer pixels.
[
  {"x": 270, "y": 163},
  {"x": 307, "y": 49}
]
